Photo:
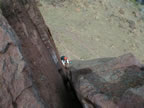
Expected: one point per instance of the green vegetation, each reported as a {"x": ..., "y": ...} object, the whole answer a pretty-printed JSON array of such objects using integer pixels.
[{"x": 134, "y": 2}]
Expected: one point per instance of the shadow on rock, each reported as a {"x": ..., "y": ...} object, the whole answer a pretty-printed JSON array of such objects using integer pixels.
[{"x": 108, "y": 83}]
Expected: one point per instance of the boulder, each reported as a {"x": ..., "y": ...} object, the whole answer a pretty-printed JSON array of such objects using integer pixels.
[{"x": 115, "y": 83}]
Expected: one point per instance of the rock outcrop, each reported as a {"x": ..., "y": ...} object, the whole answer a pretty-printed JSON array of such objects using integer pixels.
[
  {"x": 29, "y": 61},
  {"x": 114, "y": 83},
  {"x": 31, "y": 74},
  {"x": 16, "y": 90}
]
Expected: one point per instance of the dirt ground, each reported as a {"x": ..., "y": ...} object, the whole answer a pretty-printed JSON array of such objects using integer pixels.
[{"x": 89, "y": 29}]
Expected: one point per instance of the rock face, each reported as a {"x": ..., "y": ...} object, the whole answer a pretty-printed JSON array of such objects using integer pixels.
[
  {"x": 29, "y": 68},
  {"x": 115, "y": 83},
  {"x": 16, "y": 90}
]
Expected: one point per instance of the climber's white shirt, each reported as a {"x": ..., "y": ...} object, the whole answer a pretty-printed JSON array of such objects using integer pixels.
[{"x": 65, "y": 61}]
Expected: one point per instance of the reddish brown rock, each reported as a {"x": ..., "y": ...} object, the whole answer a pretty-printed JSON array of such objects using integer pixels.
[
  {"x": 14, "y": 74},
  {"x": 41, "y": 56},
  {"x": 110, "y": 84},
  {"x": 133, "y": 98},
  {"x": 31, "y": 29}
]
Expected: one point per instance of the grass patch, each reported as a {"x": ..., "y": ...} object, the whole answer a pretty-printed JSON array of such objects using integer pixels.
[{"x": 134, "y": 2}]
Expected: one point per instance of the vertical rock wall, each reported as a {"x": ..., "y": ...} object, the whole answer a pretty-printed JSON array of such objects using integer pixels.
[
  {"x": 39, "y": 52},
  {"x": 16, "y": 90}
]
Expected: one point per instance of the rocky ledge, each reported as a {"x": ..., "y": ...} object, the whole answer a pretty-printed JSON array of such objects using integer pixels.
[{"x": 110, "y": 82}]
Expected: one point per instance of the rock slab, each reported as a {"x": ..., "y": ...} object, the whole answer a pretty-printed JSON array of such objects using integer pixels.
[
  {"x": 117, "y": 83},
  {"x": 16, "y": 89}
]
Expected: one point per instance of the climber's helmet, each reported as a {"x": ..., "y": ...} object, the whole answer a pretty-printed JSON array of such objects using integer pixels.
[{"x": 65, "y": 58}]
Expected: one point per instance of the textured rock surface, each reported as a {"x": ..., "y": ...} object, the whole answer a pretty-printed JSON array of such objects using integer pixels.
[
  {"x": 30, "y": 29},
  {"x": 115, "y": 83},
  {"x": 41, "y": 56},
  {"x": 106, "y": 83},
  {"x": 16, "y": 90}
]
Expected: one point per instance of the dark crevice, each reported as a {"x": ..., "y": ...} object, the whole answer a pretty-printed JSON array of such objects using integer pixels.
[
  {"x": 5, "y": 48},
  {"x": 14, "y": 101},
  {"x": 11, "y": 96},
  {"x": 14, "y": 104},
  {"x": 142, "y": 68},
  {"x": 70, "y": 90},
  {"x": 16, "y": 14}
]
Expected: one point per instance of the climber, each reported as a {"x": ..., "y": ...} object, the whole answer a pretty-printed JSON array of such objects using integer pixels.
[{"x": 65, "y": 61}]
